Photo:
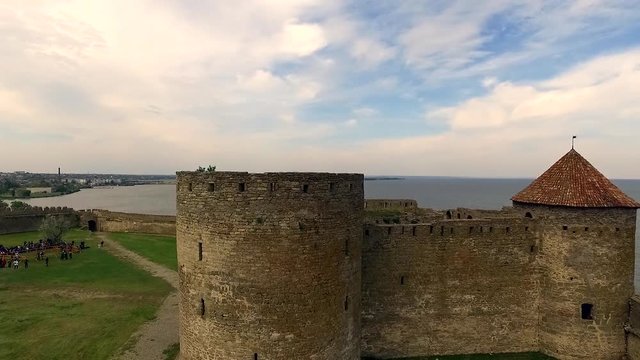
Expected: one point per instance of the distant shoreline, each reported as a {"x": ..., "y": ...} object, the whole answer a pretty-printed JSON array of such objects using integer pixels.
[{"x": 376, "y": 178}]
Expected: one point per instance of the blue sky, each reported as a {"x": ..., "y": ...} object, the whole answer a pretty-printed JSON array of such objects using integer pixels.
[{"x": 451, "y": 88}]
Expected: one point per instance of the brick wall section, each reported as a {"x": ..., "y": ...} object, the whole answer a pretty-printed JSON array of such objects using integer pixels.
[
  {"x": 281, "y": 268},
  {"x": 450, "y": 287},
  {"x": 110, "y": 221},
  {"x": 31, "y": 219},
  {"x": 396, "y": 204},
  {"x": 587, "y": 257}
]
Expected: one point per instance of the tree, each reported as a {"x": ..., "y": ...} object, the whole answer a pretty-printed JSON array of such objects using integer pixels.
[
  {"x": 54, "y": 227},
  {"x": 3, "y": 206},
  {"x": 210, "y": 168},
  {"x": 15, "y": 205},
  {"x": 22, "y": 193},
  {"x": 7, "y": 185}
]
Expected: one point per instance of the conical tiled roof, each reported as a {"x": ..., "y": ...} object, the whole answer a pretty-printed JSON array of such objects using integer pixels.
[{"x": 573, "y": 181}]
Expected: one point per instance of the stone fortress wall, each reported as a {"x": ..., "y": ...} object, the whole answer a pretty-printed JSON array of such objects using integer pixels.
[
  {"x": 586, "y": 258},
  {"x": 391, "y": 204},
  {"x": 412, "y": 281},
  {"x": 450, "y": 286},
  {"x": 110, "y": 221},
  {"x": 269, "y": 265},
  {"x": 514, "y": 280},
  {"x": 22, "y": 220}
]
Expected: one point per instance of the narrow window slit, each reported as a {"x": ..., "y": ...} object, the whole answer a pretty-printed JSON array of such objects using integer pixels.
[
  {"x": 586, "y": 311},
  {"x": 242, "y": 187},
  {"x": 211, "y": 187},
  {"x": 201, "y": 307},
  {"x": 305, "y": 188},
  {"x": 199, "y": 251}
]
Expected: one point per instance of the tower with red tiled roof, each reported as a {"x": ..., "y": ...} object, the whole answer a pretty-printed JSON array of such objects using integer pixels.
[{"x": 586, "y": 256}]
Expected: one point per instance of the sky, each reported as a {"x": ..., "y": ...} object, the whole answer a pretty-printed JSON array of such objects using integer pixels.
[{"x": 445, "y": 88}]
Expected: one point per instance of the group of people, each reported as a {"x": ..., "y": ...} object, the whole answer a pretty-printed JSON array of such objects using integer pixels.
[
  {"x": 12, "y": 262},
  {"x": 12, "y": 257}
]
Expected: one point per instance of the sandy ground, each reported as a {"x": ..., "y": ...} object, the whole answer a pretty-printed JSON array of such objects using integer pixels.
[{"x": 152, "y": 338}]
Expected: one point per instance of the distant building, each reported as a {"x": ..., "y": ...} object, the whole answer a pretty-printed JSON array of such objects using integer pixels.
[{"x": 39, "y": 190}]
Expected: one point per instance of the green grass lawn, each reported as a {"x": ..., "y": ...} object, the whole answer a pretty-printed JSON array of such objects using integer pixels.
[
  {"x": 520, "y": 356},
  {"x": 160, "y": 249},
  {"x": 84, "y": 308}
]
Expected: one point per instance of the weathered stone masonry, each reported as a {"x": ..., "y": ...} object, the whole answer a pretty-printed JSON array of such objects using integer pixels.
[
  {"x": 30, "y": 219},
  {"x": 110, "y": 221},
  {"x": 286, "y": 266},
  {"x": 269, "y": 265},
  {"x": 450, "y": 287}
]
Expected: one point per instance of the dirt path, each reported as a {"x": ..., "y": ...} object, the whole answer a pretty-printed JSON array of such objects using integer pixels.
[{"x": 152, "y": 338}]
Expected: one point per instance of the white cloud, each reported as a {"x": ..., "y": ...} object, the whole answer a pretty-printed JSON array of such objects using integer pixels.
[
  {"x": 489, "y": 82},
  {"x": 351, "y": 123},
  {"x": 365, "y": 111},
  {"x": 596, "y": 100},
  {"x": 156, "y": 77},
  {"x": 451, "y": 41},
  {"x": 300, "y": 39},
  {"x": 145, "y": 86},
  {"x": 371, "y": 51}
]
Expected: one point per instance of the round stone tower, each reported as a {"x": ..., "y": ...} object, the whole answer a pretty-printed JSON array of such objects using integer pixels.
[
  {"x": 269, "y": 265},
  {"x": 586, "y": 255}
]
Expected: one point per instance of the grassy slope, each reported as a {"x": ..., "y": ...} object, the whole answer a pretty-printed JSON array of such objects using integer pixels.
[
  {"x": 160, "y": 249},
  {"x": 85, "y": 308}
]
